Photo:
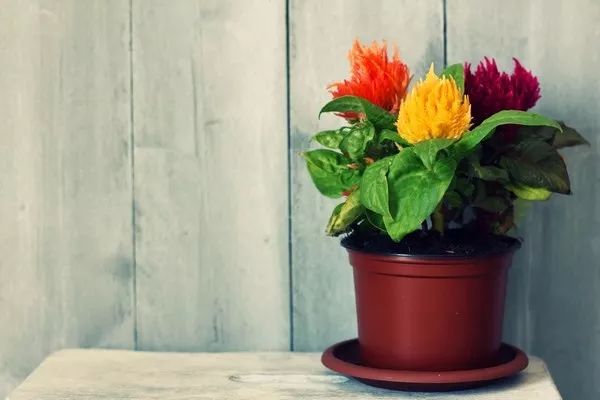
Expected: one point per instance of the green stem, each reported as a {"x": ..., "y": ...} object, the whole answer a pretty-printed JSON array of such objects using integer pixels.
[{"x": 437, "y": 219}]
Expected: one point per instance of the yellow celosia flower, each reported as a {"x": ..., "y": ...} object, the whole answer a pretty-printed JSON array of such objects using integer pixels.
[{"x": 435, "y": 108}]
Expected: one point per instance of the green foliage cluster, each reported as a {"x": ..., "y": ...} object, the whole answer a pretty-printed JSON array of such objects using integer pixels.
[{"x": 395, "y": 187}]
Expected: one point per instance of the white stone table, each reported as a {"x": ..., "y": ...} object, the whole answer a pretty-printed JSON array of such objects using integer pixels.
[{"x": 120, "y": 374}]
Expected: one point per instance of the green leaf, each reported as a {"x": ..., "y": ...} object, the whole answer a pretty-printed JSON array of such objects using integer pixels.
[
  {"x": 428, "y": 150},
  {"x": 379, "y": 117},
  {"x": 345, "y": 214},
  {"x": 488, "y": 173},
  {"x": 491, "y": 173},
  {"x": 355, "y": 143},
  {"x": 387, "y": 134},
  {"x": 330, "y": 139},
  {"x": 334, "y": 216},
  {"x": 543, "y": 133},
  {"x": 330, "y": 173},
  {"x": 453, "y": 199},
  {"x": 506, "y": 117},
  {"x": 375, "y": 219},
  {"x": 414, "y": 191},
  {"x": 569, "y": 137},
  {"x": 537, "y": 164},
  {"x": 464, "y": 186},
  {"x": 529, "y": 193},
  {"x": 374, "y": 193},
  {"x": 456, "y": 72},
  {"x": 493, "y": 204}
]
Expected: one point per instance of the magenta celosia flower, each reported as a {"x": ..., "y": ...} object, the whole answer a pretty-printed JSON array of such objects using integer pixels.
[{"x": 491, "y": 91}]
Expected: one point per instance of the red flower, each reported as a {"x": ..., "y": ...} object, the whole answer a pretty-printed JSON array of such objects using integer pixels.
[
  {"x": 374, "y": 76},
  {"x": 491, "y": 91}
]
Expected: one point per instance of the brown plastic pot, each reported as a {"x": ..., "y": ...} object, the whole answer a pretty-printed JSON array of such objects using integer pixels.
[{"x": 428, "y": 313}]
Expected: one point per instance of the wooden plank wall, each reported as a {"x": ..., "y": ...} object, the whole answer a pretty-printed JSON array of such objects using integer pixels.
[
  {"x": 210, "y": 128},
  {"x": 140, "y": 139},
  {"x": 66, "y": 263}
]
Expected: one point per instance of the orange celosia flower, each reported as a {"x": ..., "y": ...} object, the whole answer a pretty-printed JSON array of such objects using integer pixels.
[{"x": 374, "y": 76}]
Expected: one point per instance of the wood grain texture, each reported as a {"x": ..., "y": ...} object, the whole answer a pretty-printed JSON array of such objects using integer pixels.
[
  {"x": 65, "y": 181},
  {"x": 321, "y": 34},
  {"x": 210, "y": 175},
  {"x": 557, "y": 41},
  {"x": 111, "y": 374}
]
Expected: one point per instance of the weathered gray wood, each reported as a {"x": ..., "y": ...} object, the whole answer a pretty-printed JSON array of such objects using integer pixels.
[
  {"x": 65, "y": 180},
  {"x": 111, "y": 374},
  {"x": 321, "y": 35},
  {"x": 558, "y": 41},
  {"x": 210, "y": 174}
]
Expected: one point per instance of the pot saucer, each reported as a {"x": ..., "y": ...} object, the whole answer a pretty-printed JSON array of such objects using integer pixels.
[{"x": 344, "y": 358}]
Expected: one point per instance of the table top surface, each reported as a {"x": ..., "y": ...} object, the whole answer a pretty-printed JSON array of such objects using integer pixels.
[{"x": 122, "y": 374}]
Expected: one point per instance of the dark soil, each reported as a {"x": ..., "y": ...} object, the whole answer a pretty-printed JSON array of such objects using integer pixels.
[{"x": 454, "y": 243}]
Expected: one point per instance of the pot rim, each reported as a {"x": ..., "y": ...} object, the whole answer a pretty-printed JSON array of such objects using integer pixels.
[{"x": 515, "y": 244}]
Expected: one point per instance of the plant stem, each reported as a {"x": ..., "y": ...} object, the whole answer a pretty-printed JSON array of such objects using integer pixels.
[{"x": 437, "y": 219}]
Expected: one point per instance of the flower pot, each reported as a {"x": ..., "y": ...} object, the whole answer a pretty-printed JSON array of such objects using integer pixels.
[{"x": 429, "y": 313}]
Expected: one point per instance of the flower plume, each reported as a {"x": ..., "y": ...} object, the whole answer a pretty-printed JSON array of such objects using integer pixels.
[
  {"x": 374, "y": 76},
  {"x": 491, "y": 91},
  {"x": 435, "y": 108}
]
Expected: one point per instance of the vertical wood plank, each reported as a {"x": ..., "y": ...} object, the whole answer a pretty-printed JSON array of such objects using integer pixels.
[
  {"x": 65, "y": 191},
  {"x": 559, "y": 263},
  {"x": 210, "y": 175},
  {"x": 321, "y": 35}
]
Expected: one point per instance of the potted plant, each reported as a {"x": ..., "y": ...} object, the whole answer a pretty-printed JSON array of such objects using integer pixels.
[{"x": 430, "y": 179}]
